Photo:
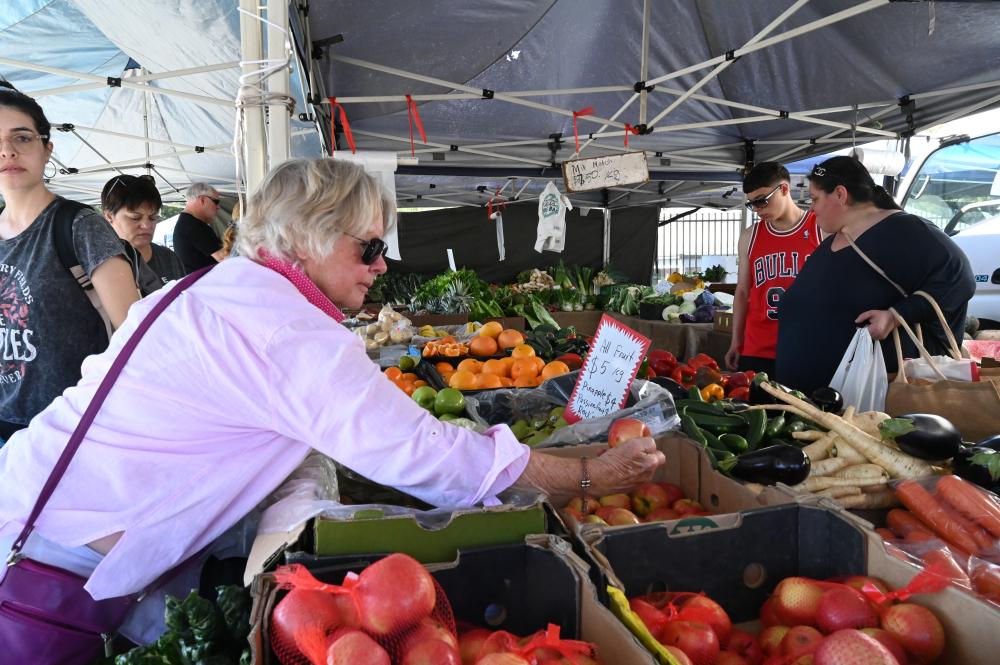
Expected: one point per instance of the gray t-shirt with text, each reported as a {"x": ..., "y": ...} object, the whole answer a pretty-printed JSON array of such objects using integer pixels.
[{"x": 47, "y": 323}]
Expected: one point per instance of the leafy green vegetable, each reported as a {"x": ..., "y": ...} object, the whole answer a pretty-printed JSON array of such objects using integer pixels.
[
  {"x": 234, "y": 604},
  {"x": 450, "y": 293},
  {"x": 396, "y": 288},
  {"x": 989, "y": 460},
  {"x": 895, "y": 427}
]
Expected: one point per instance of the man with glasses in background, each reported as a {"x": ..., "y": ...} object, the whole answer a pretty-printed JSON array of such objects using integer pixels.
[
  {"x": 771, "y": 253},
  {"x": 194, "y": 240}
]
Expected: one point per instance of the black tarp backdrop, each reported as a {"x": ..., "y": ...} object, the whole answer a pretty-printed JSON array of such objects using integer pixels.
[{"x": 424, "y": 238}]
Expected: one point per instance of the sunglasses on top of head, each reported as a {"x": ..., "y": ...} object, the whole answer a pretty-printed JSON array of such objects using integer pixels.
[
  {"x": 374, "y": 248},
  {"x": 761, "y": 201}
]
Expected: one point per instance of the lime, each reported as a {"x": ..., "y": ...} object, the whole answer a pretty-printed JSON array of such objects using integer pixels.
[
  {"x": 447, "y": 417},
  {"x": 424, "y": 396},
  {"x": 407, "y": 363},
  {"x": 556, "y": 413},
  {"x": 560, "y": 423},
  {"x": 449, "y": 400}
]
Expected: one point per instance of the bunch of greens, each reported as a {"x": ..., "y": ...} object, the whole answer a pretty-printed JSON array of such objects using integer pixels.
[
  {"x": 450, "y": 293},
  {"x": 396, "y": 288},
  {"x": 199, "y": 632},
  {"x": 535, "y": 314},
  {"x": 666, "y": 300},
  {"x": 625, "y": 298},
  {"x": 716, "y": 273},
  {"x": 550, "y": 342}
]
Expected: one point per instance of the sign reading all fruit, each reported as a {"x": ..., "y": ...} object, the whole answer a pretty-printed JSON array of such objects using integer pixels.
[{"x": 607, "y": 374}]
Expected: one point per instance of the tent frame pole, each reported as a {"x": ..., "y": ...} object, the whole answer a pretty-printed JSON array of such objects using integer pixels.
[
  {"x": 278, "y": 83},
  {"x": 254, "y": 140}
]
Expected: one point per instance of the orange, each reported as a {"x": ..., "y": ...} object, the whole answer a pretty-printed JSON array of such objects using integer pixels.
[
  {"x": 507, "y": 362},
  {"x": 526, "y": 382},
  {"x": 496, "y": 367},
  {"x": 443, "y": 367},
  {"x": 463, "y": 380},
  {"x": 447, "y": 340},
  {"x": 523, "y": 368},
  {"x": 407, "y": 387},
  {"x": 446, "y": 376},
  {"x": 451, "y": 352},
  {"x": 471, "y": 365},
  {"x": 554, "y": 368},
  {"x": 491, "y": 329},
  {"x": 510, "y": 338},
  {"x": 522, "y": 351},
  {"x": 506, "y": 382},
  {"x": 419, "y": 382},
  {"x": 488, "y": 381},
  {"x": 408, "y": 376},
  {"x": 483, "y": 346},
  {"x": 393, "y": 373}
]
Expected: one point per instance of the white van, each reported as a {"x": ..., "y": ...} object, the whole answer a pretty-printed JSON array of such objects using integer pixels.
[{"x": 957, "y": 187}]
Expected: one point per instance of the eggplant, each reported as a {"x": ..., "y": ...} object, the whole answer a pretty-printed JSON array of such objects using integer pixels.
[
  {"x": 676, "y": 390},
  {"x": 992, "y": 442},
  {"x": 963, "y": 467},
  {"x": 828, "y": 399},
  {"x": 780, "y": 463},
  {"x": 923, "y": 435}
]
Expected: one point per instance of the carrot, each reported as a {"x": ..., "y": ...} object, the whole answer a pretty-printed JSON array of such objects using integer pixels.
[
  {"x": 945, "y": 563},
  {"x": 897, "y": 463},
  {"x": 971, "y": 502},
  {"x": 982, "y": 537},
  {"x": 985, "y": 578},
  {"x": 927, "y": 509},
  {"x": 903, "y": 523},
  {"x": 886, "y": 499}
]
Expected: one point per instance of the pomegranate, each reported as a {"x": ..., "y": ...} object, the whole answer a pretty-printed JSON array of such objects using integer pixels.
[
  {"x": 852, "y": 646},
  {"x": 916, "y": 629},
  {"x": 349, "y": 646},
  {"x": 843, "y": 607},
  {"x": 694, "y": 638},
  {"x": 303, "y": 619},
  {"x": 393, "y": 594}
]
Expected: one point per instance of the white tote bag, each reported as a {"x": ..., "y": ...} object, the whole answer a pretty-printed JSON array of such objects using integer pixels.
[{"x": 861, "y": 377}]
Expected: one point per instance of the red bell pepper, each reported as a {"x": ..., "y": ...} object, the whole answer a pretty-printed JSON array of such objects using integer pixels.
[
  {"x": 738, "y": 380},
  {"x": 740, "y": 394},
  {"x": 572, "y": 360},
  {"x": 683, "y": 375},
  {"x": 662, "y": 362},
  {"x": 703, "y": 360}
]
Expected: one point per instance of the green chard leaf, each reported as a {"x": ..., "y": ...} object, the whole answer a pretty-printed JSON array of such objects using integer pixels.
[
  {"x": 989, "y": 460},
  {"x": 895, "y": 427}
]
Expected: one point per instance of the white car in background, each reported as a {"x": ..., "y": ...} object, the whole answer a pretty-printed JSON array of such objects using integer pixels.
[{"x": 957, "y": 187}]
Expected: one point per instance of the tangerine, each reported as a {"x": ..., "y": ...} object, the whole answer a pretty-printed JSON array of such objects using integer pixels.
[
  {"x": 483, "y": 346},
  {"x": 522, "y": 351},
  {"x": 443, "y": 367},
  {"x": 406, "y": 386},
  {"x": 419, "y": 382},
  {"x": 446, "y": 376},
  {"x": 496, "y": 367},
  {"x": 527, "y": 381},
  {"x": 554, "y": 368},
  {"x": 488, "y": 381},
  {"x": 393, "y": 373},
  {"x": 506, "y": 382},
  {"x": 471, "y": 365},
  {"x": 462, "y": 380},
  {"x": 523, "y": 367},
  {"x": 408, "y": 376},
  {"x": 491, "y": 329},
  {"x": 537, "y": 362},
  {"x": 510, "y": 338}
]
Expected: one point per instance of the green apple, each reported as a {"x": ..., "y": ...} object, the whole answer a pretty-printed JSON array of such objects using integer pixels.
[{"x": 425, "y": 397}]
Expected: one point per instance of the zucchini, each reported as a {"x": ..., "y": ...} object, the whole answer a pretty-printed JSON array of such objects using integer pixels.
[
  {"x": 719, "y": 424},
  {"x": 714, "y": 443},
  {"x": 693, "y": 431},
  {"x": 735, "y": 443},
  {"x": 774, "y": 426},
  {"x": 794, "y": 426},
  {"x": 692, "y": 406},
  {"x": 757, "y": 423}
]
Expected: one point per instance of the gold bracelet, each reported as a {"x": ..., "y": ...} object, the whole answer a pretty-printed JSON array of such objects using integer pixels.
[{"x": 585, "y": 480}]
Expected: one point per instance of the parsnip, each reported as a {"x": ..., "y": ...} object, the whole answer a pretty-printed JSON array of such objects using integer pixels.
[
  {"x": 844, "y": 450},
  {"x": 820, "y": 450},
  {"x": 861, "y": 471},
  {"x": 837, "y": 492},
  {"x": 884, "y": 499},
  {"x": 808, "y": 435},
  {"x": 829, "y": 466},
  {"x": 816, "y": 483}
]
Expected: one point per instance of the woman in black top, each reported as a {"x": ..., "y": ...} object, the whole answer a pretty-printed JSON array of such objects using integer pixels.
[{"x": 836, "y": 290}]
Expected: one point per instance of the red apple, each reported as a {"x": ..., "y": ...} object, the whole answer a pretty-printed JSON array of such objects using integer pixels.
[
  {"x": 767, "y": 616},
  {"x": 674, "y": 492},
  {"x": 350, "y": 646},
  {"x": 744, "y": 644},
  {"x": 731, "y": 658},
  {"x": 469, "y": 644},
  {"x": 704, "y": 609},
  {"x": 430, "y": 652},
  {"x": 916, "y": 629},
  {"x": 796, "y": 600},
  {"x": 652, "y": 617},
  {"x": 594, "y": 519},
  {"x": 621, "y": 500},
  {"x": 662, "y": 515},
  {"x": 770, "y": 639},
  {"x": 687, "y": 506},
  {"x": 694, "y": 638},
  {"x": 852, "y": 646},
  {"x": 430, "y": 629},
  {"x": 572, "y": 517},
  {"x": 648, "y": 497},
  {"x": 842, "y": 607},
  {"x": 617, "y": 516},
  {"x": 679, "y": 656},
  {"x": 624, "y": 429},
  {"x": 800, "y": 640},
  {"x": 583, "y": 504},
  {"x": 886, "y": 639}
]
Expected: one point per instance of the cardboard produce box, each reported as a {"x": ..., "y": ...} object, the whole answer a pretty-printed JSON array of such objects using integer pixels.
[
  {"x": 585, "y": 322},
  {"x": 520, "y": 588},
  {"x": 738, "y": 566}
]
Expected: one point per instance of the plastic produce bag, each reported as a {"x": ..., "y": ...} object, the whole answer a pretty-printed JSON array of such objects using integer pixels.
[
  {"x": 861, "y": 377},
  {"x": 647, "y": 402}
]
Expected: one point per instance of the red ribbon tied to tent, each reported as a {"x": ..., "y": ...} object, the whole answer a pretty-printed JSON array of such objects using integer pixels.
[
  {"x": 343, "y": 122},
  {"x": 576, "y": 114},
  {"x": 629, "y": 129},
  {"x": 414, "y": 116},
  {"x": 501, "y": 204}
]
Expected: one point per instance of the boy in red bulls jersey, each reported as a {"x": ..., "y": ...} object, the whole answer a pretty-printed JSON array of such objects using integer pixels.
[{"x": 772, "y": 252}]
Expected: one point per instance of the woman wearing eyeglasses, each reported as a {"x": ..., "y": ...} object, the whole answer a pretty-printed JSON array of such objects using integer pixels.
[
  {"x": 239, "y": 379},
  {"x": 131, "y": 204},
  {"x": 48, "y": 324},
  {"x": 838, "y": 289}
]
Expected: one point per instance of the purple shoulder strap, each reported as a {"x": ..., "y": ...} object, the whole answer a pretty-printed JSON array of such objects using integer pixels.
[{"x": 95, "y": 405}]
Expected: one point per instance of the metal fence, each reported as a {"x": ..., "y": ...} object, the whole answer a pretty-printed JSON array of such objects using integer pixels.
[{"x": 682, "y": 244}]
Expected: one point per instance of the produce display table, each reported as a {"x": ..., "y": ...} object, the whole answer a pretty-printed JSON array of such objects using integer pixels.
[
  {"x": 585, "y": 322},
  {"x": 684, "y": 340}
]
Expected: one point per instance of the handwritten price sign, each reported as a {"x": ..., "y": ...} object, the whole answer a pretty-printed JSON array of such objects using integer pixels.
[{"x": 604, "y": 381}]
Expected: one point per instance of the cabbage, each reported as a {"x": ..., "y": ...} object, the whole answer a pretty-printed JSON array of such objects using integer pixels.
[
  {"x": 704, "y": 314},
  {"x": 705, "y": 298},
  {"x": 688, "y": 307},
  {"x": 671, "y": 309}
]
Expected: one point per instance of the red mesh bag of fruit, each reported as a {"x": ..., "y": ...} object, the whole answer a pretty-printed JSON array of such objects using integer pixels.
[
  {"x": 545, "y": 646},
  {"x": 394, "y": 611}
]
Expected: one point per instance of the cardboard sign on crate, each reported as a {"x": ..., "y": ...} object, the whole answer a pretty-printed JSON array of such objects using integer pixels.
[{"x": 606, "y": 376}]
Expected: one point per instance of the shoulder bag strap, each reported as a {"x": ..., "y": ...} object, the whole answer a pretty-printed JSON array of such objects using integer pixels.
[{"x": 95, "y": 404}]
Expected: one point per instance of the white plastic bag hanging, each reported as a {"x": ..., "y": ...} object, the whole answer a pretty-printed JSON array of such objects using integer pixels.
[
  {"x": 552, "y": 207},
  {"x": 861, "y": 377}
]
